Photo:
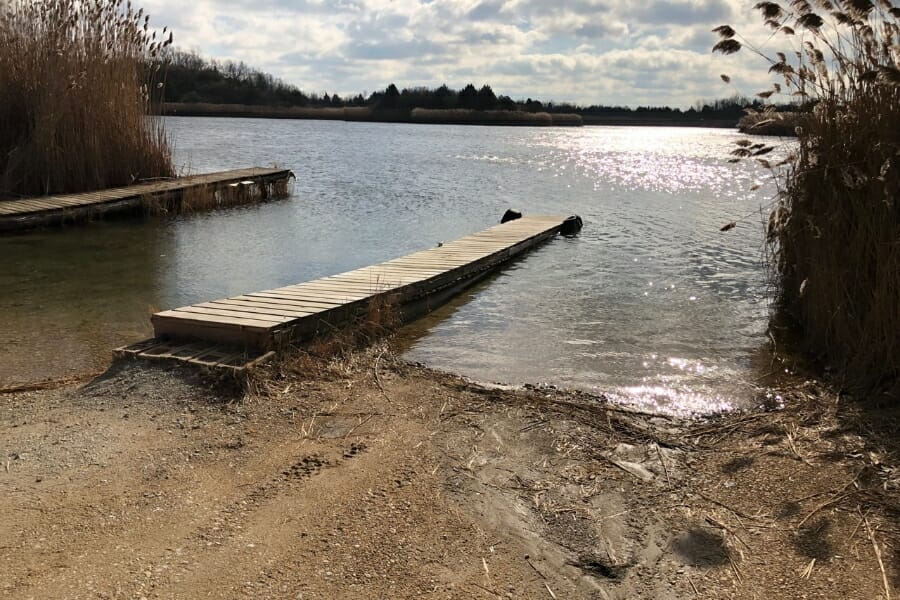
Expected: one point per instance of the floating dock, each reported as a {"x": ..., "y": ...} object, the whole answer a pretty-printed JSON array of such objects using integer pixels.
[
  {"x": 45, "y": 211},
  {"x": 238, "y": 331}
]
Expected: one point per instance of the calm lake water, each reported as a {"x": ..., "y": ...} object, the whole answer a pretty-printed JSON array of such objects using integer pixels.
[{"x": 651, "y": 305}]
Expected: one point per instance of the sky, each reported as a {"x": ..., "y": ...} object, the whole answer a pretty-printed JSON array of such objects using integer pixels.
[{"x": 611, "y": 52}]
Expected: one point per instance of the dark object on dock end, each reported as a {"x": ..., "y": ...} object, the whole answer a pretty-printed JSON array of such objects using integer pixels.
[
  {"x": 510, "y": 215},
  {"x": 571, "y": 226}
]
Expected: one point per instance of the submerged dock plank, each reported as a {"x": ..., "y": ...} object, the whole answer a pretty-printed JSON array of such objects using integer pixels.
[
  {"x": 48, "y": 210},
  {"x": 260, "y": 322}
]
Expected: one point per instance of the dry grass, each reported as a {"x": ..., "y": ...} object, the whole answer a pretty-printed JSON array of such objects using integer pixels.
[
  {"x": 247, "y": 110},
  {"x": 835, "y": 231},
  {"x": 364, "y": 113},
  {"x": 480, "y": 117},
  {"x": 336, "y": 353},
  {"x": 208, "y": 197},
  {"x": 199, "y": 198},
  {"x": 357, "y": 113},
  {"x": 74, "y": 97},
  {"x": 567, "y": 119},
  {"x": 778, "y": 123},
  {"x": 380, "y": 318}
]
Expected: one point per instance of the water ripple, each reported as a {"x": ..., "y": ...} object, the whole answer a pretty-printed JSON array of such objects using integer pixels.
[{"x": 651, "y": 305}]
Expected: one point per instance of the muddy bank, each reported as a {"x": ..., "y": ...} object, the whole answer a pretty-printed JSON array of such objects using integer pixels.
[{"x": 371, "y": 478}]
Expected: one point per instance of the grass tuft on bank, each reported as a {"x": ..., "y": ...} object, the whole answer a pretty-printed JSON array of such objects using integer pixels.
[
  {"x": 75, "y": 95},
  {"x": 835, "y": 231}
]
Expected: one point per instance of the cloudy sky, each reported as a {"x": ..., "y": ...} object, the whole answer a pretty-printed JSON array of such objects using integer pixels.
[{"x": 636, "y": 52}]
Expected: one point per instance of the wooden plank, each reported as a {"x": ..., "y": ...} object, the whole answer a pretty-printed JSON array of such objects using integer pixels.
[
  {"x": 388, "y": 269},
  {"x": 182, "y": 328},
  {"x": 426, "y": 262},
  {"x": 243, "y": 323},
  {"x": 340, "y": 288},
  {"x": 372, "y": 276},
  {"x": 67, "y": 202},
  {"x": 31, "y": 205},
  {"x": 307, "y": 308},
  {"x": 423, "y": 259},
  {"x": 385, "y": 282},
  {"x": 167, "y": 350},
  {"x": 292, "y": 301},
  {"x": 461, "y": 248},
  {"x": 472, "y": 249},
  {"x": 278, "y": 308},
  {"x": 320, "y": 299},
  {"x": 261, "y": 310},
  {"x": 464, "y": 257},
  {"x": 411, "y": 268},
  {"x": 447, "y": 263},
  {"x": 332, "y": 290},
  {"x": 311, "y": 296},
  {"x": 479, "y": 246},
  {"x": 265, "y": 319}
]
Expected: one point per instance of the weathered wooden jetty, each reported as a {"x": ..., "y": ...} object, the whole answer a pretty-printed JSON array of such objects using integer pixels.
[
  {"x": 218, "y": 188},
  {"x": 238, "y": 331}
]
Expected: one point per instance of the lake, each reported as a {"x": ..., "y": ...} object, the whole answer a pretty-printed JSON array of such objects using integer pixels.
[{"x": 650, "y": 305}]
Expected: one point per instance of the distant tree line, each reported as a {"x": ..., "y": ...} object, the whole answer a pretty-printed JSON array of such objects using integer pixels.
[{"x": 193, "y": 79}]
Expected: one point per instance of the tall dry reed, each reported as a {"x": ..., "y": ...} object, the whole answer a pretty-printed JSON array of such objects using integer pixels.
[
  {"x": 835, "y": 230},
  {"x": 205, "y": 109},
  {"x": 75, "y": 92},
  {"x": 479, "y": 117}
]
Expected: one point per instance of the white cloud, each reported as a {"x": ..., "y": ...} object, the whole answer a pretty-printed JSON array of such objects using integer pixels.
[{"x": 586, "y": 51}]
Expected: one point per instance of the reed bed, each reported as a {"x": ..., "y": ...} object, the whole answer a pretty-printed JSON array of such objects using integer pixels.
[
  {"x": 835, "y": 230},
  {"x": 566, "y": 120},
  {"x": 481, "y": 117},
  {"x": 75, "y": 92},
  {"x": 771, "y": 123},
  {"x": 364, "y": 113},
  {"x": 358, "y": 113},
  {"x": 206, "y": 109}
]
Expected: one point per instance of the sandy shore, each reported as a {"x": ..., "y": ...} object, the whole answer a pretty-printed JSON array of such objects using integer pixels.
[{"x": 371, "y": 478}]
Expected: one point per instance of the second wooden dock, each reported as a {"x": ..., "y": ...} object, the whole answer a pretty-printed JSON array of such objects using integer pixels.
[
  {"x": 231, "y": 331},
  {"x": 212, "y": 189}
]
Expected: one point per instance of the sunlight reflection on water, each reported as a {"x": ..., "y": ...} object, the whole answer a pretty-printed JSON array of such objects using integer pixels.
[
  {"x": 651, "y": 305},
  {"x": 683, "y": 305}
]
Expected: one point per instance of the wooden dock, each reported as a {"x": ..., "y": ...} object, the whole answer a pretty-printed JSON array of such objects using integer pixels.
[
  {"x": 239, "y": 330},
  {"x": 27, "y": 213}
]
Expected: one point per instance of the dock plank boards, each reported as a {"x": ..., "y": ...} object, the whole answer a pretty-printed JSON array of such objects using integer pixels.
[
  {"x": 25, "y": 212},
  {"x": 263, "y": 321}
]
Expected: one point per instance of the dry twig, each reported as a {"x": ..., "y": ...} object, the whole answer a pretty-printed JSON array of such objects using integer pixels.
[
  {"x": 715, "y": 523},
  {"x": 378, "y": 379},
  {"x": 536, "y": 570},
  {"x": 693, "y": 587},
  {"x": 737, "y": 571},
  {"x": 835, "y": 498},
  {"x": 490, "y": 591},
  {"x": 663, "y": 463},
  {"x": 884, "y": 578},
  {"x": 808, "y": 569}
]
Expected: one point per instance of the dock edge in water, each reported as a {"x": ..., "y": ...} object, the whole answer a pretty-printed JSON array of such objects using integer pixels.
[
  {"x": 241, "y": 331},
  {"x": 210, "y": 190}
]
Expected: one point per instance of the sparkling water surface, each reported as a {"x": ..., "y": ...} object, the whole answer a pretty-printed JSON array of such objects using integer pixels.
[{"x": 650, "y": 305}]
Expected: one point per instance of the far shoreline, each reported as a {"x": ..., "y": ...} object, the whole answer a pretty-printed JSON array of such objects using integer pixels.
[{"x": 433, "y": 117}]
